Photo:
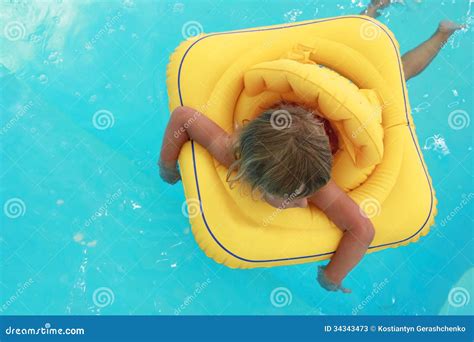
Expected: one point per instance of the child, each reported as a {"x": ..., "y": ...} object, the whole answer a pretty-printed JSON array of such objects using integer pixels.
[{"x": 296, "y": 160}]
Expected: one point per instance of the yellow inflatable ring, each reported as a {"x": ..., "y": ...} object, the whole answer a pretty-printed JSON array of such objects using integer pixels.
[{"x": 349, "y": 69}]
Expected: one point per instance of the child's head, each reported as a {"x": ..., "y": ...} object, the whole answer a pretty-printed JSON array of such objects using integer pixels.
[{"x": 285, "y": 154}]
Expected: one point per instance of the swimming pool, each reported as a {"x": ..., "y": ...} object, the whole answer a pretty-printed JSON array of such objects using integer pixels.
[{"x": 87, "y": 225}]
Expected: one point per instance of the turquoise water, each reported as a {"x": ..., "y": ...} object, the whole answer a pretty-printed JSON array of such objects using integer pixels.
[{"x": 87, "y": 225}]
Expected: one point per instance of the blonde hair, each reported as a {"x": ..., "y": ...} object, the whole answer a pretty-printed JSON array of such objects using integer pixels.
[{"x": 282, "y": 149}]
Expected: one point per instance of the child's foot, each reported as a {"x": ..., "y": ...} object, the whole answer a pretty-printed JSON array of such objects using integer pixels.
[
  {"x": 380, "y": 4},
  {"x": 447, "y": 27},
  {"x": 374, "y": 6},
  {"x": 169, "y": 171},
  {"x": 329, "y": 284}
]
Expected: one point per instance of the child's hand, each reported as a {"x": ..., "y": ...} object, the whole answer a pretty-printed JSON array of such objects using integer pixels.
[
  {"x": 169, "y": 172},
  {"x": 328, "y": 284}
]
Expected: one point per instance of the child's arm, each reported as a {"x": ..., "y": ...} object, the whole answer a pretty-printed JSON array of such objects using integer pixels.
[
  {"x": 185, "y": 124},
  {"x": 358, "y": 230}
]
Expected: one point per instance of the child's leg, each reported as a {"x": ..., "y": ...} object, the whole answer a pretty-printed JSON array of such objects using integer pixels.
[
  {"x": 416, "y": 60},
  {"x": 374, "y": 6}
]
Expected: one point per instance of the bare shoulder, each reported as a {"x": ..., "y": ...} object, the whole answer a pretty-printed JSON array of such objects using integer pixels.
[
  {"x": 328, "y": 195},
  {"x": 207, "y": 133},
  {"x": 339, "y": 207}
]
